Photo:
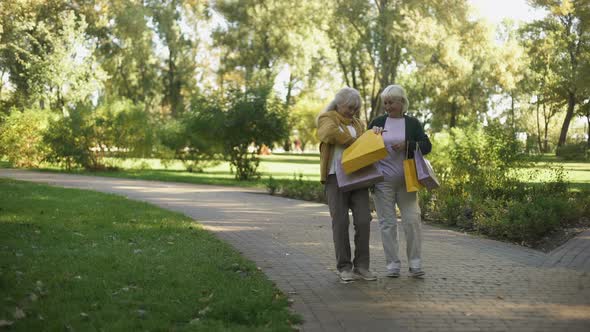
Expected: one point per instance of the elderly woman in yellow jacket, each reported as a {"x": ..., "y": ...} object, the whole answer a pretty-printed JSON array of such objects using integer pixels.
[{"x": 338, "y": 127}]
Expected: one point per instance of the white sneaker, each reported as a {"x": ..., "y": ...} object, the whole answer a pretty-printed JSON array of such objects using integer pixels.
[
  {"x": 393, "y": 273},
  {"x": 416, "y": 272},
  {"x": 346, "y": 275},
  {"x": 364, "y": 274}
]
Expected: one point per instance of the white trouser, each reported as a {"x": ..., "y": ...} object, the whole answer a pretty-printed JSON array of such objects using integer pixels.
[{"x": 388, "y": 194}]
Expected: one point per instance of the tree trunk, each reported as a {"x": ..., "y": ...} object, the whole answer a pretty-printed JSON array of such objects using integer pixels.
[
  {"x": 453, "y": 121},
  {"x": 546, "y": 120},
  {"x": 539, "y": 129},
  {"x": 571, "y": 104},
  {"x": 513, "y": 115},
  {"x": 289, "y": 90}
]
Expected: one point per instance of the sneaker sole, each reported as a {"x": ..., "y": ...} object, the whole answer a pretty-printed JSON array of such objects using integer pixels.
[
  {"x": 368, "y": 279},
  {"x": 358, "y": 277}
]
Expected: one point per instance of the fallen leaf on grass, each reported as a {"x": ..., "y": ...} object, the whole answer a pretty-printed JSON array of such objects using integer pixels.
[
  {"x": 203, "y": 312},
  {"x": 19, "y": 313},
  {"x": 4, "y": 322},
  {"x": 206, "y": 298}
]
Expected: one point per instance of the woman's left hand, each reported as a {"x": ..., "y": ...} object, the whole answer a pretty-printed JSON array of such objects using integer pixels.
[{"x": 399, "y": 146}]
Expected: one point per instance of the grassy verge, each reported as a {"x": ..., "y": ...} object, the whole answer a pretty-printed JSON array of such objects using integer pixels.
[
  {"x": 79, "y": 260},
  {"x": 284, "y": 167},
  {"x": 577, "y": 173}
]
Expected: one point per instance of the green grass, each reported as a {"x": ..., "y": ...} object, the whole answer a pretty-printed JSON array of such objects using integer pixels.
[
  {"x": 85, "y": 261},
  {"x": 576, "y": 172}
]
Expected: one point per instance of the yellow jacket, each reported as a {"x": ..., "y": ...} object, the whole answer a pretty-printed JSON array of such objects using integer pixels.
[{"x": 329, "y": 132}]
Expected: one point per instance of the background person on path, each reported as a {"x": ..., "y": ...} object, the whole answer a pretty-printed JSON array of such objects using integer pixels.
[
  {"x": 338, "y": 127},
  {"x": 399, "y": 132}
]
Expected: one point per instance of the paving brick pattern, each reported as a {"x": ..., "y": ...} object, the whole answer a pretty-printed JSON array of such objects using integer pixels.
[{"x": 472, "y": 284}]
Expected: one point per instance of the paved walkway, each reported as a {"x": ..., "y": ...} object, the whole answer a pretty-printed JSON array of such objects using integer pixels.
[{"x": 472, "y": 284}]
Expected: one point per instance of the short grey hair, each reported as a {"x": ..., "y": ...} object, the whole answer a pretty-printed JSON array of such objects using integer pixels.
[
  {"x": 344, "y": 97},
  {"x": 396, "y": 91}
]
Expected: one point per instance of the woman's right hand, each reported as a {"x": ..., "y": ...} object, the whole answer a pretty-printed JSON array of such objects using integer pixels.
[{"x": 377, "y": 130}]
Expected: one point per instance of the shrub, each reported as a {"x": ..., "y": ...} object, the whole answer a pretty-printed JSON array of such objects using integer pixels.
[
  {"x": 252, "y": 120},
  {"x": 297, "y": 188},
  {"x": 71, "y": 138},
  {"x": 21, "y": 137},
  {"x": 481, "y": 189},
  {"x": 577, "y": 151},
  {"x": 123, "y": 126}
]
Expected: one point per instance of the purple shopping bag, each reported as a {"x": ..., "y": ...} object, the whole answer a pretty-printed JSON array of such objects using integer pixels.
[
  {"x": 362, "y": 178},
  {"x": 424, "y": 170}
]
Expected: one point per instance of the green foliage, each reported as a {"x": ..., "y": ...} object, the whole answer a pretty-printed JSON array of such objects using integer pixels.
[
  {"x": 573, "y": 151},
  {"x": 478, "y": 158},
  {"x": 123, "y": 127},
  {"x": 21, "y": 137},
  {"x": 253, "y": 119},
  {"x": 41, "y": 50},
  {"x": 272, "y": 185},
  {"x": 297, "y": 188},
  {"x": 193, "y": 137},
  {"x": 304, "y": 114},
  {"x": 71, "y": 138},
  {"x": 481, "y": 190}
]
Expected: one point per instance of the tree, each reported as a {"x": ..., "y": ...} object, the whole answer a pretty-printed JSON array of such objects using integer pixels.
[
  {"x": 261, "y": 36},
  {"x": 40, "y": 50},
  {"x": 572, "y": 39},
  {"x": 458, "y": 68},
  {"x": 125, "y": 47},
  {"x": 541, "y": 79},
  {"x": 180, "y": 66},
  {"x": 374, "y": 39},
  {"x": 252, "y": 119},
  {"x": 304, "y": 115}
]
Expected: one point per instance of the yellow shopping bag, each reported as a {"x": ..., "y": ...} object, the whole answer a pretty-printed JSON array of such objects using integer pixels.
[
  {"x": 366, "y": 150},
  {"x": 411, "y": 176}
]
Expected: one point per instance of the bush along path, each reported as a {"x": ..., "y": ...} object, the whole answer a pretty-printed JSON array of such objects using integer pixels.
[{"x": 471, "y": 283}]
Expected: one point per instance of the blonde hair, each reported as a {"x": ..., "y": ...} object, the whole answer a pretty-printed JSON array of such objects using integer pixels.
[
  {"x": 344, "y": 97},
  {"x": 396, "y": 91}
]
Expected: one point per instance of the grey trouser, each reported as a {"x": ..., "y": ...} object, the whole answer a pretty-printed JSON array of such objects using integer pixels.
[
  {"x": 388, "y": 194},
  {"x": 339, "y": 203}
]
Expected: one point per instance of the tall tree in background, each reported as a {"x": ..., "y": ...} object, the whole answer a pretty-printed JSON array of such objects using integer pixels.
[
  {"x": 179, "y": 70},
  {"x": 566, "y": 22},
  {"x": 541, "y": 80},
  {"x": 45, "y": 51},
  {"x": 259, "y": 37},
  {"x": 373, "y": 39},
  {"x": 125, "y": 47},
  {"x": 457, "y": 69}
]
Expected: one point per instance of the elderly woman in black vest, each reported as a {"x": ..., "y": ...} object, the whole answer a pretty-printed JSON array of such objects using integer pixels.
[{"x": 401, "y": 134}]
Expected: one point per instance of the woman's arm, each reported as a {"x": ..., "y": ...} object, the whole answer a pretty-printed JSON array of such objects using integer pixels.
[{"x": 419, "y": 138}]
